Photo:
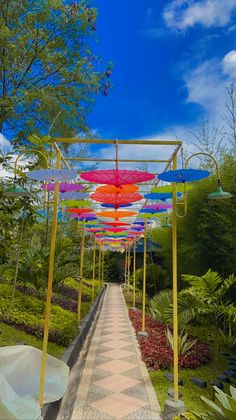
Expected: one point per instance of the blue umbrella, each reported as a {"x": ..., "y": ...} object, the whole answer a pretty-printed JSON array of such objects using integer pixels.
[{"x": 183, "y": 175}]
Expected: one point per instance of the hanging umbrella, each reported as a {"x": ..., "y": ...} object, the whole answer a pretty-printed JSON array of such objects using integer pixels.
[
  {"x": 113, "y": 206},
  {"x": 152, "y": 211},
  {"x": 149, "y": 215},
  {"x": 116, "y": 177},
  {"x": 54, "y": 175},
  {"x": 79, "y": 211},
  {"x": 114, "y": 229},
  {"x": 76, "y": 203},
  {"x": 123, "y": 189},
  {"x": 157, "y": 207},
  {"x": 168, "y": 188},
  {"x": 116, "y": 214},
  {"x": 63, "y": 187},
  {"x": 183, "y": 175},
  {"x": 160, "y": 196},
  {"x": 73, "y": 195},
  {"x": 116, "y": 199},
  {"x": 115, "y": 224}
]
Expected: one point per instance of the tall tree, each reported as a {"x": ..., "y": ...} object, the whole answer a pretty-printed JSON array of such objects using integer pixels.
[{"x": 47, "y": 66}]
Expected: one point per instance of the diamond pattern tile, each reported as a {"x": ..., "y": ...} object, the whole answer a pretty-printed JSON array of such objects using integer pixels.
[
  {"x": 116, "y": 354},
  {"x": 118, "y": 405},
  {"x": 117, "y": 336},
  {"x": 116, "y": 344},
  {"x": 117, "y": 383},
  {"x": 116, "y": 366}
]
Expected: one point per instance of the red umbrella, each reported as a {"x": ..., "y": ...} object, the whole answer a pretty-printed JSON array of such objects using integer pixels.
[
  {"x": 116, "y": 199},
  {"x": 114, "y": 229},
  {"x": 116, "y": 177},
  {"x": 79, "y": 211}
]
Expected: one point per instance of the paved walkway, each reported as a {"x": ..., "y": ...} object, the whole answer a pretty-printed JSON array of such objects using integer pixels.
[{"x": 115, "y": 383}]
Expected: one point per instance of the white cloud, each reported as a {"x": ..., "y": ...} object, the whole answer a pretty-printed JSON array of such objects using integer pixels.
[
  {"x": 206, "y": 86},
  {"x": 183, "y": 14},
  {"x": 229, "y": 63}
]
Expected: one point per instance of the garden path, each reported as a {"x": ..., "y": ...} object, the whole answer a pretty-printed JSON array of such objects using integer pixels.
[{"x": 115, "y": 382}]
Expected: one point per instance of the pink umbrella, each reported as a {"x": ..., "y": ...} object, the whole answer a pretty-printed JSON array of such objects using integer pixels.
[
  {"x": 116, "y": 177},
  {"x": 157, "y": 206}
]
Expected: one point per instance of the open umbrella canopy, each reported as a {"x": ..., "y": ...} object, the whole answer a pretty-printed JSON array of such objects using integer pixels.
[
  {"x": 115, "y": 206},
  {"x": 76, "y": 203},
  {"x": 79, "y": 211},
  {"x": 183, "y": 175},
  {"x": 116, "y": 177},
  {"x": 168, "y": 188},
  {"x": 51, "y": 175},
  {"x": 116, "y": 199},
  {"x": 93, "y": 230},
  {"x": 123, "y": 189},
  {"x": 114, "y": 229},
  {"x": 151, "y": 215},
  {"x": 73, "y": 195},
  {"x": 157, "y": 207},
  {"x": 63, "y": 187},
  {"x": 152, "y": 211},
  {"x": 115, "y": 224},
  {"x": 116, "y": 214}
]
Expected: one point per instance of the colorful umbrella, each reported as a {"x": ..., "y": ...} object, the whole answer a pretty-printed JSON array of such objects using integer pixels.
[
  {"x": 160, "y": 196},
  {"x": 73, "y": 196},
  {"x": 51, "y": 175},
  {"x": 79, "y": 211},
  {"x": 152, "y": 211},
  {"x": 168, "y": 188},
  {"x": 157, "y": 206},
  {"x": 63, "y": 187},
  {"x": 109, "y": 206},
  {"x": 76, "y": 203},
  {"x": 114, "y": 229},
  {"x": 123, "y": 189},
  {"x": 183, "y": 175},
  {"x": 116, "y": 177},
  {"x": 116, "y": 214},
  {"x": 115, "y": 224},
  {"x": 116, "y": 199}
]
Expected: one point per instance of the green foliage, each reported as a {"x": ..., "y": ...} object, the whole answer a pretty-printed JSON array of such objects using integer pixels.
[
  {"x": 156, "y": 278},
  {"x": 191, "y": 393},
  {"x": 184, "y": 344},
  {"x": 160, "y": 307},
  {"x": 10, "y": 336},
  {"x": 48, "y": 66},
  {"x": 207, "y": 235},
  {"x": 226, "y": 410}
]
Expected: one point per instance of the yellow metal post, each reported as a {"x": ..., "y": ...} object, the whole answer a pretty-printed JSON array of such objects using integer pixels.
[
  {"x": 144, "y": 276},
  {"x": 81, "y": 273},
  {"x": 134, "y": 273},
  {"x": 103, "y": 255},
  {"x": 175, "y": 287},
  {"x": 49, "y": 288},
  {"x": 94, "y": 263},
  {"x": 128, "y": 274},
  {"x": 99, "y": 264},
  {"x": 126, "y": 267}
]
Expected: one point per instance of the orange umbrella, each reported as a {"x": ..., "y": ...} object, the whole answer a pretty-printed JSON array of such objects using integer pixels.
[
  {"x": 112, "y": 189},
  {"x": 116, "y": 214},
  {"x": 116, "y": 199}
]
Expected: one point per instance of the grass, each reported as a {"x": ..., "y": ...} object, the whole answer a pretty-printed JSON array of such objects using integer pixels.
[
  {"x": 191, "y": 393},
  {"x": 9, "y": 336}
]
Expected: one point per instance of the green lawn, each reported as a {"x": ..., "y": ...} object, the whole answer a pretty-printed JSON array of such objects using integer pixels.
[{"x": 191, "y": 393}]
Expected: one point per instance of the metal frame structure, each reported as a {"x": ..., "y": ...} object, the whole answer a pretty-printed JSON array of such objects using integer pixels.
[{"x": 61, "y": 160}]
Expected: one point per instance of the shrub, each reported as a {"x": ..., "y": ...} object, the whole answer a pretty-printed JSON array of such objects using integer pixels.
[
  {"x": 155, "y": 350},
  {"x": 156, "y": 279}
]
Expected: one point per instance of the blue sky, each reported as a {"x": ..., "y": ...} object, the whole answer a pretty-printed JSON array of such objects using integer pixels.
[{"x": 172, "y": 61}]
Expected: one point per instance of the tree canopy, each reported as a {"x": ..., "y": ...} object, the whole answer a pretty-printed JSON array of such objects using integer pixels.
[{"x": 47, "y": 66}]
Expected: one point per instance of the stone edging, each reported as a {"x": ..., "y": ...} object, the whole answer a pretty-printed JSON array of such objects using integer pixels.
[{"x": 71, "y": 354}]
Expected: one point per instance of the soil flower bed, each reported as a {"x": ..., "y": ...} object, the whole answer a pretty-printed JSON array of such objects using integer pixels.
[{"x": 155, "y": 350}]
